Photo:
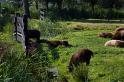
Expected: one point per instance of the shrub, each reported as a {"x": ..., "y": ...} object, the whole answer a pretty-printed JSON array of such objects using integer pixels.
[{"x": 35, "y": 13}]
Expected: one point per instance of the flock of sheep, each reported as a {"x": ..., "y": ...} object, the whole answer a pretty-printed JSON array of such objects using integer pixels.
[
  {"x": 84, "y": 55},
  {"x": 117, "y": 37}
]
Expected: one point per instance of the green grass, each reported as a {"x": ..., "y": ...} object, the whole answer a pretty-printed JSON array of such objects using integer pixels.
[
  {"x": 107, "y": 61},
  {"x": 107, "y": 65}
]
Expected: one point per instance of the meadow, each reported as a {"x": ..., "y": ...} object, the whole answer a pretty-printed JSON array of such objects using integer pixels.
[{"x": 106, "y": 66}]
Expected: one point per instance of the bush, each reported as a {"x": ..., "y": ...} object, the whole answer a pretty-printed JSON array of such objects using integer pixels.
[
  {"x": 35, "y": 13},
  {"x": 9, "y": 8},
  {"x": 53, "y": 14},
  {"x": 4, "y": 20}
]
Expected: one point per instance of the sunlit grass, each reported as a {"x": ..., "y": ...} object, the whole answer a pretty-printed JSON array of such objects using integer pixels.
[{"x": 106, "y": 66}]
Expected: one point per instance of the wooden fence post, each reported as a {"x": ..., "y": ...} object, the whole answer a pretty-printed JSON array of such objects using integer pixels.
[
  {"x": 20, "y": 31},
  {"x": 26, "y": 42}
]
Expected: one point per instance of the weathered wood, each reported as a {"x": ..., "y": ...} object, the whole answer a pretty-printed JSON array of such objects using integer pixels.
[
  {"x": 20, "y": 30},
  {"x": 20, "y": 24},
  {"x": 22, "y": 34}
]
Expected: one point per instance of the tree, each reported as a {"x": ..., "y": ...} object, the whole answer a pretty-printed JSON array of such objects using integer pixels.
[
  {"x": 57, "y": 2},
  {"x": 26, "y": 7},
  {"x": 92, "y": 4},
  {"x": 111, "y": 3},
  {"x": 36, "y": 4}
]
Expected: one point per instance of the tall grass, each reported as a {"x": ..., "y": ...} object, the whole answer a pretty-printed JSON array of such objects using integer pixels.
[
  {"x": 48, "y": 28},
  {"x": 16, "y": 67},
  {"x": 80, "y": 73},
  {"x": 106, "y": 65}
]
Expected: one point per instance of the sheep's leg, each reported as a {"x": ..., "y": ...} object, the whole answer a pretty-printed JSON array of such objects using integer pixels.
[{"x": 88, "y": 62}]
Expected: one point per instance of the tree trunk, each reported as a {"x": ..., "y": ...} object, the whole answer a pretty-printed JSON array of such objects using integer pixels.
[
  {"x": 93, "y": 10},
  {"x": 47, "y": 5},
  {"x": 0, "y": 8},
  {"x": 26, "y": 8},
  {"x": 36, "y": 3},
  {"x": 59, "y": 4}
]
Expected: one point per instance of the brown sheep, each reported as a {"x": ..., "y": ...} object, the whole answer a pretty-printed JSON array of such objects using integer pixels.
[
  {"x": 54, "y": 44},
  {"x": 33, "y": 34},
  {"x": 115, "y": 43},
  {"x": 119, "y": 35},
  {"x": 118, "y": 28},
  {"x": 83, "y": 55},
  {"x": 106, "y": 35}
]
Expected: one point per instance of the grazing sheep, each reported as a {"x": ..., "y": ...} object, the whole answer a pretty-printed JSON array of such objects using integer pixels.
[
  {"x": 106, "y": 35},
  {"x": 119, "y": 35},
  {"x": 118, "y": 28},
  {"x": 54, "y": 44},
  {"x": 115, "y": 43},
  {"x": 33, "y": 34},
  {"x": 83, "y": 55}
]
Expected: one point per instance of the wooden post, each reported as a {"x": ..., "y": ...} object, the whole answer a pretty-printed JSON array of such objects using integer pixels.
[
  {"x": 15, "y": 24},
  {"x": 20, "y": 31},
  {"x": 25, "y": 21}
]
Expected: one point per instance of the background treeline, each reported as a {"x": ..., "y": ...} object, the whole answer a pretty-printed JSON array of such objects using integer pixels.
[{"x": 72, "y": 9}]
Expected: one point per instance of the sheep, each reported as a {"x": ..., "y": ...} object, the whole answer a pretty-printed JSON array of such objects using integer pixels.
[
  {"x": 33, "y": 34},
  {"x": 114, "y": 43},
  {"x": 82, "y": 55},
  {"x": 106, "y": 35},
  {"x": 54, "y": 44},
  {"x": 118, "y": 28},
  {"x": 119, "y": 35}
]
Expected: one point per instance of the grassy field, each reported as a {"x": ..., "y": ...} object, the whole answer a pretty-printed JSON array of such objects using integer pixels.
[{"x": 107, "y": 65}]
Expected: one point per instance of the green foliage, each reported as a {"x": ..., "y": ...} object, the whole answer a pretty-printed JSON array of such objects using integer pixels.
[
  {"x": 80, "y": 73},
  {"x": 48, "y": 28},
  {"x": 103, "y": 67},
  {"x": 98, "y": 9},
  {"x": 4, "y": 20},
  {"x": 9, "y": 8},
  {"x": 35, "y": 13},
  {"x": 16, "y": 67}
]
